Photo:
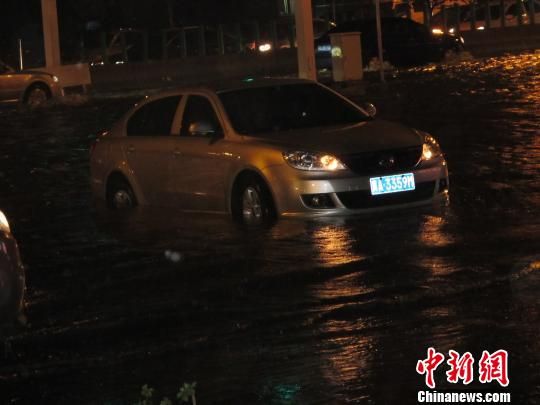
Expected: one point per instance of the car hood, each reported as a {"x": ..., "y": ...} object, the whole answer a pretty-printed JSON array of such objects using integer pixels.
[{"x": 363, "y": 137}]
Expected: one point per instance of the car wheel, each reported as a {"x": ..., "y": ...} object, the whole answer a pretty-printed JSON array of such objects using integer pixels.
[
  {"x": 253, "y": 205},
  {"x": 120, "y": 195},
  {"x": 36, "y": 95}
]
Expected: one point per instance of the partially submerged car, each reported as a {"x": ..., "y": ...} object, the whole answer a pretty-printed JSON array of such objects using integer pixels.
[
  {"x": 12, "y": 277},
  {"x": 405, "y": 42},
  {"x": 264, "y": 148},
  {"x": 27, "y": 87}
]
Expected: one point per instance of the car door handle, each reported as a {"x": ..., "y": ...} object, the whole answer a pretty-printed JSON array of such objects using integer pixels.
[
  {"x": 131, "y": 149},
  {"x": 177, "y": 153}
]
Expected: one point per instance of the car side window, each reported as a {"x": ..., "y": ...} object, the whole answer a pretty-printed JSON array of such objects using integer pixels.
[
  {"x": 199, "y": 110},
  {"x": 154, "y": 118}
]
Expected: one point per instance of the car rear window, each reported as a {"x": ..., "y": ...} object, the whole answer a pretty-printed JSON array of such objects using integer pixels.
[{"x": 286, "y": 107}]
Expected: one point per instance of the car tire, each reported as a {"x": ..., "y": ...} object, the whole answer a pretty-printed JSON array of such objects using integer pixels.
[
  {"x": 120, "y": 195},
  {"x": 253, "y": 205},
  {"x": 36, "y": 95}
]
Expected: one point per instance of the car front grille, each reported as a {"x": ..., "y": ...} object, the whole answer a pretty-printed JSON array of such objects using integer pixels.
[
  {"x": 363, "y": 199},
  {"x": 383, "y": 162}
]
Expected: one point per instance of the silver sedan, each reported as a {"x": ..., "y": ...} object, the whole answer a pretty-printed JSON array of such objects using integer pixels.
[
  {"x": 261, "y": 149},
  {"x": 27, "y": 87}
]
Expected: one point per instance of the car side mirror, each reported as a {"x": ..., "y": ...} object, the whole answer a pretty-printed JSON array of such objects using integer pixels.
[
  {"x": 370, "y": 109},
  {"x": 202, "y": 128}
]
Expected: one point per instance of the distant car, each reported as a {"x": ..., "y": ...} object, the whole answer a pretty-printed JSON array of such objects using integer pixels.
[
  {"x": 513, "y": 12},
  {"x": 405, "y": 42},
  {"x": 264, "y": 148},
  {"x": 27, "y": 87},
  {"x": 12, "y": 277}
]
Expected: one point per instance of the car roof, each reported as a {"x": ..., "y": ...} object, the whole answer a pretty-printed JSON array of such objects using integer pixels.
[
  {"x": 230, "y": 85},
  {"x": 251, "y": 82}
]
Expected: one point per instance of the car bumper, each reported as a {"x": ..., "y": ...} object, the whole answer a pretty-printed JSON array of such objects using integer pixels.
[{"x": 294, "y": 192}]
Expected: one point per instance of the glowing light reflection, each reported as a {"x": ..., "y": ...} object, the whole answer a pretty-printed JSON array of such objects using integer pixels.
[
  {"x": 432, "y": 232},
  {"x": 334, "y": 246}
]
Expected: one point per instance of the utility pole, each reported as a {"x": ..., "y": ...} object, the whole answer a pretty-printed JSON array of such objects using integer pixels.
[
  {"x": 304, "y": 38},
  {"x": 51, "y": 37}
]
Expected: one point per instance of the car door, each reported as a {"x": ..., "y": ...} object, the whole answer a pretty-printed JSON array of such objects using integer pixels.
[
  {"x": 11, "y": 84},
  {"x": 204, "y": 161},
  {"x": 149, "y": 149}
]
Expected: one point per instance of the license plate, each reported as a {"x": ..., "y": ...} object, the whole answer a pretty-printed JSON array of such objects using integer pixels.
[{"x": 391, "y": 184}]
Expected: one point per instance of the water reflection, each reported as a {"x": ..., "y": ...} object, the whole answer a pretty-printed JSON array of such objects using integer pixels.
[
  {"x": 332, "y": 242},
  {"x": 432, "y": 232},
  {"x": 334, "y": 245},
  {"x": 347, "y": 360}
]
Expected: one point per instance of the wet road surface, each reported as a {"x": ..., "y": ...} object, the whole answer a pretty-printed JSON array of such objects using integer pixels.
[{"x": 307, "y": 312}]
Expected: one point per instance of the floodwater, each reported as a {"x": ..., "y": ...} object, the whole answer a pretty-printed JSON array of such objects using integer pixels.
[{"x": 307, "y": 312}]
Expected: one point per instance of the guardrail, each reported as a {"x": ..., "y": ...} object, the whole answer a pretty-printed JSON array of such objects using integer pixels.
[
  {"x": 485, "y": 15},
  {"x": 129, "y": 45}
]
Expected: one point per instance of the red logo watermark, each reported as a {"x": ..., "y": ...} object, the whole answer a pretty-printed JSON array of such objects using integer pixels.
[
  {"x": 461, "y": 367},
  {"x": 494, "y": 367},
  {"x": 491, "y": 367},
  {"x": 429, "y": 365}
]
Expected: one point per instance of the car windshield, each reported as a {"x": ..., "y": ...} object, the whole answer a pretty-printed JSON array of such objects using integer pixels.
[{"x": 287, "y": 107}]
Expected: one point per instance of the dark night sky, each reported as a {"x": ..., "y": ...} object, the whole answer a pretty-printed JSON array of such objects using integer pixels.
[
  {"x": 23, "y": 18},
  {"x": 142, "y": 13}
]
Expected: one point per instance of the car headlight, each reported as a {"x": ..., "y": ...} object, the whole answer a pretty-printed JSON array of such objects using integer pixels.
[
  {"x": 4, "y": 224},
  {"x": 430, "y": 148},
  {"x": 313, "y": 161}
]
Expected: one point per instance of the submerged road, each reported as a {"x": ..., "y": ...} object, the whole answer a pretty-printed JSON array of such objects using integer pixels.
[{"x": 308, "y": 312}]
